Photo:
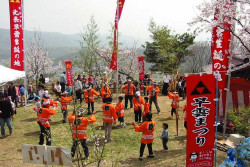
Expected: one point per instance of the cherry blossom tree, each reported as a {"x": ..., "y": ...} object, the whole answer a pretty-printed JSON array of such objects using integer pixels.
[
  {"x": 127, "y": 59},
  {"x": 235, "y": 12},
  {"x": 37, "y": 59}
]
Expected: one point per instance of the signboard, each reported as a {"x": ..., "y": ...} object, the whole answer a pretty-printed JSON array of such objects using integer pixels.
[
  {"x": 16, "y": 34},
  {"x": 200, "y": 120},
  {"x": 69, "y": 72},
  {"x": 47, "y": 155}
]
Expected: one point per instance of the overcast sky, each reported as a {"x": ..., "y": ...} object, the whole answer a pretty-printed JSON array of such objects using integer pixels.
[{"x": 69, "y": 16}]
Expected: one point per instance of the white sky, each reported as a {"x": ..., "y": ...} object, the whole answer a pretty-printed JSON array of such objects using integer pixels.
[{"x": 69, "y": 16}]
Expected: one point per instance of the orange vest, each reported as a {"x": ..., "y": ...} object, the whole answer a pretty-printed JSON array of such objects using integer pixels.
[
  {"x": 80, "y": 124},
  {"x": 119, "y": 109},
  {"x": 151, "y": 88},
  {"x": 129, "y": 91},
  {"x": 138, "y": 103},
  {"x": 175, "y": 102},
  {"x": 43, "y": 115},
  {"x": 146, "y": 109},
  {"x": 105, "y": 93},
  {"x": 50, "y": 101},
  {"x": 65, "y": 101},
  {"x": 109, "y": 113},
  {"x": 147, "y": 128},
  {"x": 89, "y": 95},
  {"x": 184, "y": 108}
]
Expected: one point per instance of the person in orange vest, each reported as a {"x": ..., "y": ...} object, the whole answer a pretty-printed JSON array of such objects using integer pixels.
[
  {"x": 154, "y": 90},
  {"x": 175, "y": 103},
  {"x": 79, "y": 129},
  {"x": 147, "y": 128},
  {"x": 89, "y": 98},
  {"x": 184, "y": 108},
  {"x": 138, "y": 102},
  {"x": 109, "y": 117},
  {"x": 120, "y": 111},
  {"x": 129, "y": 89},
  {"x": 105, "y": 92},
  {"x": 146, "y": 109},
  {"x": 43, "y": 118},
  {"x": 65, "y": 100}
]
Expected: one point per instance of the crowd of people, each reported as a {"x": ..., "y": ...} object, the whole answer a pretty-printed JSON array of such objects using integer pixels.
[{"x": 86, "y": 89}]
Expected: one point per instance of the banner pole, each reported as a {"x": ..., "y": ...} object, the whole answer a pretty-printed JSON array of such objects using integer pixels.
[
  {"x": 228, "y": 79},
  {"x": 25, "y": 79},
  {"x": 117, "y": 70},
  {"x": 216, "y": 117}
]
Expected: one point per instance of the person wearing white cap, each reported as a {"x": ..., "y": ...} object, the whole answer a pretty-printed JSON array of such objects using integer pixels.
[
  {"x": 138, "y": 102},
  {"x": 79, "y": 129},
  {"x": 154, "y": 90},
  {"x": 129, "y": 89}
]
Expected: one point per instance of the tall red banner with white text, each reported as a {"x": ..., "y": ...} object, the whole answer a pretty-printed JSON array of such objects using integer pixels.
[
  {"x": 200, "y": 120},
  {"x": 16, "y": 34},
  {"x": 141, "y": 67},
  {"x": 69, "y": 72},
  {"x": 220, "y": 47},
  {"x": 113, "y": 63},
  {"x": 220, "y": 50}
]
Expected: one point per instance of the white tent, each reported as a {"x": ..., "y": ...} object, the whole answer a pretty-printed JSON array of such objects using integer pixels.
[{"x": 7, "y": 74}]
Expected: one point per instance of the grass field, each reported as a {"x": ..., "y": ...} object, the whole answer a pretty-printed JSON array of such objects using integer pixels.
[{"x": 123, "y": 150}]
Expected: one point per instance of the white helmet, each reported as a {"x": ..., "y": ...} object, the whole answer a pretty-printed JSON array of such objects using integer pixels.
[{"x": 138, "y": 93}]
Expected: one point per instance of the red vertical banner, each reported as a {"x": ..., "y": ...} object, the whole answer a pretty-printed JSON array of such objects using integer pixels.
[
  {"x": 69, "y": 72},
  {"x": 141, "y": 67},
  {"x": 16, "y": 34},
  {"x": 200, "y": 120},
  {"x": 220, "y": 47},
  {"x": 113, "y": 63}
]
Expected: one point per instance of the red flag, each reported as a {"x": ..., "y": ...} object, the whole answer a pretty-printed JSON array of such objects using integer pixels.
[
  {"x": 118, "y": 14},
  {"x": 200, "y": 120},
  {"x": 141, "y": 67},
  {"x": 69, "y": 72},
  {"x": 16, "y": 34},
  {"x": 113, "y": 64}
]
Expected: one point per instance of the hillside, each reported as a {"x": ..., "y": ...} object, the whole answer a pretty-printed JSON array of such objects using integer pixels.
[{"x": 60, "y": 46}]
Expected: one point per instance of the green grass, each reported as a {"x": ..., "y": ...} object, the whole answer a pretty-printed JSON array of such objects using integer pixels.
[{"x": 122, "y": 151}]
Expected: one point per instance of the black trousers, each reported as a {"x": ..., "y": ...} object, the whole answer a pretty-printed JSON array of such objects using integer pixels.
[
  {"x": 130, "y": 98},
  {"x": 45, "y": 132},
  {"x": 65, "y": 115},
  {"x": 138, "y": 115},
  {"x": 173, "y": 111},
  {"x": 92, "y": 107},
  {"x": 62, "y": 87},
  {"x": 150, "y": 150},
  {"x": 84, "y": 146},
  {"x": 78, "y": 96},
  {"x": 164, "y": 143},
  {"x": 165, "y": 89}
]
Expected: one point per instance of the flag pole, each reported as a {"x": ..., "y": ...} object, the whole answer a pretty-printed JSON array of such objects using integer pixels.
[
  {"x": 228, "y": 80},
  {"x": 216, "y": 117},
  {"x": 117, "y": 70},
  {"x": 25, "y": 79}
]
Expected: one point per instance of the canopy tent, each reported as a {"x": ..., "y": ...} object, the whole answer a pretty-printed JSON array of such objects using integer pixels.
[{"x": 8, "y": 74}]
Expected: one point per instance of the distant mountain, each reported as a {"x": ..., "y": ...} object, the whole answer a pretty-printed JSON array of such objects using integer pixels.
[{"x": 60, "y": 46}]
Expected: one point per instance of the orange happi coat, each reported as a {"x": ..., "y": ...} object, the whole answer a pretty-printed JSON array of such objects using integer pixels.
[
  {"x": 80, "y": 124},
  {"x": 147, "y": 128}
]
